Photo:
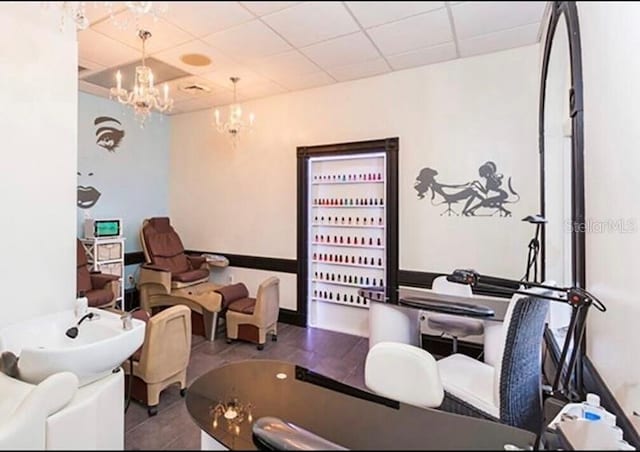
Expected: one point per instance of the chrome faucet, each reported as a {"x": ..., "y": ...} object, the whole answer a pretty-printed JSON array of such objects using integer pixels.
[{"x": 127, "y": 319}]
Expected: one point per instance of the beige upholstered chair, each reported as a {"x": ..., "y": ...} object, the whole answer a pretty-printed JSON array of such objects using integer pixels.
[
  {"x": 163, "y": 358},
  {"x": 171, "y": 277},
  {"x": 251, "y": 319}
]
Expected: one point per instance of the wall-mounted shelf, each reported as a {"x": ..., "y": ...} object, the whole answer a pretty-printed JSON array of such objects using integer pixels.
[
  {"x": 349, "y": 182},
  {"x": 361, "y": 226},
  {"x": 337, "y": 283},
  {"x": 376, "y": 267},
  {"x": 345, "y": 303},
  {"x": 344, "y": 245},
  {"x": 347, "y": 207}
]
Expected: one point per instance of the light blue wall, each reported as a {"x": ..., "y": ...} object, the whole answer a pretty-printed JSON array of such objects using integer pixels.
[{"x": 133, "y": 179}]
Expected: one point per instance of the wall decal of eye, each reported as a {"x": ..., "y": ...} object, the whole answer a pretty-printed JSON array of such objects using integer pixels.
[
  {"x": 109, "y": 133},
  {"x": 88, "y": 195}
]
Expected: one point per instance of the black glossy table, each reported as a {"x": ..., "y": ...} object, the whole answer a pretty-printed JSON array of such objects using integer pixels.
[{"x": 342, "y": 414}]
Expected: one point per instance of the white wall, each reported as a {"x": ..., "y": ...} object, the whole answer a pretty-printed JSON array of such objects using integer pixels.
[
  {"x": 452, "y": 116},
  {"x": 610, "y": 39},
  {"x": 38, "y": 125}
]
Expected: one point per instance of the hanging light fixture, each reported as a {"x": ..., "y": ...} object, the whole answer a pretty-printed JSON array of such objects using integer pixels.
[
  {"x": 77, "y": 12},
  {"x": 144, "y": 96},
  {"x": 235, "y": 123}
]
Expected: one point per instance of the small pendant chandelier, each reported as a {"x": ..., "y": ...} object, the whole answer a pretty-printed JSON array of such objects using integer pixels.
[{"x": 235, "y": 123}]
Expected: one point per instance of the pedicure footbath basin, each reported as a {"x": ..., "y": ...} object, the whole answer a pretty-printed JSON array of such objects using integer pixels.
[{"x": 44, "y": 349}]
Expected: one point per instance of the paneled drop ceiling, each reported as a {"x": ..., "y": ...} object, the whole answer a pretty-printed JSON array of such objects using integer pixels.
[{"x": 275, "y": 47}]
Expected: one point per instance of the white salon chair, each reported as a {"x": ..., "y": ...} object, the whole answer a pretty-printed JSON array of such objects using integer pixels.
[
  {"x": 509, "y": 392},
  {"x": 453, "y": 325},
  {"x": 24, "y": 409}
]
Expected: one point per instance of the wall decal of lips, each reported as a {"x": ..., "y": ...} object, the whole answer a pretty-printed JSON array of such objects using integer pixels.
[
  {"x": 108, "y": 135},
  {"x": 87, "y": 196}
]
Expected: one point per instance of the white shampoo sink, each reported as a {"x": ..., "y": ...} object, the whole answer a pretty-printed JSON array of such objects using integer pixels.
[{"x": 101, "y": 345}]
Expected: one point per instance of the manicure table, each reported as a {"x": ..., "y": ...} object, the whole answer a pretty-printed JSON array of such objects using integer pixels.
[{"x": 226, "y": 402}]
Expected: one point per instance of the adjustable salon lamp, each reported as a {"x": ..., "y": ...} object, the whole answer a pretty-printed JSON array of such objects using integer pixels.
[
  {"x": 579, "y": 299},
  {"x": 534, "y": 246}
]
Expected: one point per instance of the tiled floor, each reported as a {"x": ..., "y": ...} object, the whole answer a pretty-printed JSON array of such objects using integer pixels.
[{"x": 336, "y": 355}]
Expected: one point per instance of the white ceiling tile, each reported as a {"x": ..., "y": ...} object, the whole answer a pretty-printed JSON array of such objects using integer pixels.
[
  {"x": 370, "y": 14},
  {"x": 173, "y": 57},
  {"x": 221, "y": 76},
  {"x": 425, "y": 30},
  {"x": 421, "y": 57},
  {"x": 262, "y": 8},
  {"x": 478, "y": 18},
  {"x": 285, "y": 64},
  {"x": 306, "y": 81},
  {"x": 493, "y": 42},
  {"x": 256, "y": 90},
  {"x": 312, "y": 22},
  {"x": 96, "y": 47},
  {"x": 249, "y": 41},
  {"x": 359, "y": 70},
  {"x": 203, "y": 18},
  {"x": 163, "y": 34},
  {"x": 341, "y": 51},
  {"x": 97, "y": 11}
]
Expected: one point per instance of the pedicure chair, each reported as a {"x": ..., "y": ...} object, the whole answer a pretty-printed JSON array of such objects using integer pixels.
[{"x": 171, "y": 277}]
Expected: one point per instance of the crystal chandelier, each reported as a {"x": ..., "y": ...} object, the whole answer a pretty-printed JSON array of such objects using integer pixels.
[
  {"x": 77, "y": 12},
  {"x": 144, "y": 96},
  {"x": 235, "y": 123}
]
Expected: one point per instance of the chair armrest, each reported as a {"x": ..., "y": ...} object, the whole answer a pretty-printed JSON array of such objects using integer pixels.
[
  {"x": 100, "y": 280},
  {"x": 197, "y": 262},
  {"x": 404, "y": 373}
]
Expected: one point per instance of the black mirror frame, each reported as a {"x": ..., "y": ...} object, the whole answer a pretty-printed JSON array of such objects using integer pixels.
[{"x": 568, "y": 12}]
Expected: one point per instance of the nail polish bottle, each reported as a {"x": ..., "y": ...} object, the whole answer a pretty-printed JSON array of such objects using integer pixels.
[
  {"x": 380, "y": 221},
  {"x": 379, "y": 242},
  {"x": 359, "y": 259},
  {"x": 351, "y": 201},
  {"x": 364, "y": 221},
  {"x": 339, "y": 277},
  {"x": 353, "y": 259},
  {"x": 320, "y": 277},
  {"x": 362, "y": 241},
  {"x": 315, "y": 293},
  {"x": 349, "y": 220},
  {"x": 379, "y": 262},
  {"x": 315, "y": 256},
  {"x": 330, "y": 257},
  {"x": 370, "y": 241},
  {"x": 361, "y": 280},
  {"x": 364, "y": 261},
  {"x": 371, "y": 222},
  {"x": 375, "y": 202},
  {"x": 342, "y": 220},
  {"x": 348, "y": 240},
  {"x": 381, "y": 282},
  {"x": 315, "y": 275},
  {"x": 357, "y": 220},
  {"x": 367, "y": 281},
  {"x": 351, "y": 299},
  {"x": 333, "y": 277},
  {"x": 381, "y": 201},
  {"x": 379, "y": 176},
  {"x": 330, "y": 296},
  {"x": 341, "y": 240},
  {"x": 335, "y": 239},
  {"x": 340, "y": 201},
  {"x": 350, "y": 279}
]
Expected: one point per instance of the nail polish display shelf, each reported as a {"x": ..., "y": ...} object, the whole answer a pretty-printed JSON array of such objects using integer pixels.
[
  {"x": 348, "y": 265},
  {"x": 336, "y": 283},
  {"x": 348, "y": 182},
  {"x": 324, "y": 206},
  {"x": 346, "y": 303},
  {"x": 344, "y": 245},
  {"x": 362, "y": 226}
]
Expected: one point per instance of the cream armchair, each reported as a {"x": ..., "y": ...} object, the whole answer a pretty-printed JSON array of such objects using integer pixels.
[
  {"x": 163, "y": 358},
  {"x": 24, "y": 409},
  {"x": 251, "y": 319}
]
